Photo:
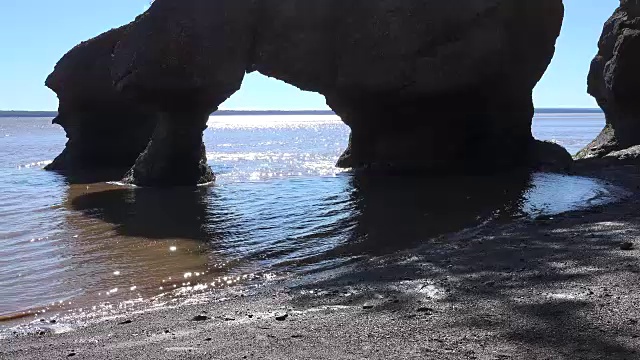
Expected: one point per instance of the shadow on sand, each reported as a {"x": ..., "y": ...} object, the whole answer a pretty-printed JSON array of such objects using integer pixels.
[{"x": 554, "y": 287}]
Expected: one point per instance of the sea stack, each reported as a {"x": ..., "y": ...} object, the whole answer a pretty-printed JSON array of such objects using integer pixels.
[
  {"x": 105, "y": 130},
  {"x": 613, "y": 82},
  {"x": 425, "y": 85}
]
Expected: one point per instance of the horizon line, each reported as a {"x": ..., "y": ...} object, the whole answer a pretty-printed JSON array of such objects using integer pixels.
[{"x": 303, "y": 110}]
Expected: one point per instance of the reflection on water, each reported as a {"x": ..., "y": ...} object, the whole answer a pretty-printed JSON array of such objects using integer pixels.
[
  {"x": 138, "y": 242},
  {"x": 279, "y": 207},
  {"x": 395, "y": 213},
  {"x": 141, "y": 212}
]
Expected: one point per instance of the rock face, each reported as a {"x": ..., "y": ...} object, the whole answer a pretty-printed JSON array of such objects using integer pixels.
[
  {"x": 109, "y": 131},
  {"x": 613, "y": 82},
  {"x": 175, "y": 155},
  {"x": 425, "y": 85},
  {"x": 104, "y": 129}
]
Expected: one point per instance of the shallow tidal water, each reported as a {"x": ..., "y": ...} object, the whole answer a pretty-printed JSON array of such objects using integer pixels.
[{"x": 279, "y": 208}]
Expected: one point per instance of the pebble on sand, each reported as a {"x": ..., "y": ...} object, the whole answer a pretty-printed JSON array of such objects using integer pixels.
[
  {"x": 627, "y": 245},
  {"x": 424, "y": 309},
  {"x": 282, "y": 317}
]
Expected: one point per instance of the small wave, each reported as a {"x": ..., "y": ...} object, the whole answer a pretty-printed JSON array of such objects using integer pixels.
[
  {"x": 120, "y": 183},
  {"x": 257, "y": 166},
  {"x": 270, "y": 122},
  {"x": 58, "y": 318},
  {"x": 39, "y": 164},
  {"x": 251, "y": 156}
]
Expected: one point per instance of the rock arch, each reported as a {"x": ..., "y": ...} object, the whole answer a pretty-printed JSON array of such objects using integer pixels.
[{"x": 425, "y": 85}]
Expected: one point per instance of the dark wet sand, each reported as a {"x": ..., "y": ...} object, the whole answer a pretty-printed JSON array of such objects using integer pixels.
[{"x": 557, "y": 288}]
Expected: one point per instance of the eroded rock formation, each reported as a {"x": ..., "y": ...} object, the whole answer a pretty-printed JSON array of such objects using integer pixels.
[
  {"x": 613, "y": 82},
  {"x": 109, "y": 131},
  {"x": 105, "y": 130},
  {"x": 425, "y": 85}
]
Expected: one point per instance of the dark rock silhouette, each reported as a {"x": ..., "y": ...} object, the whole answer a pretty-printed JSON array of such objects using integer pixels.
[
  {"x": 550, "y": 156},
  {"x": 107, "y": 130},
  {"x": 175, "y": 155},
  {"x": 613, "y": 82},
  {"x": 431, "y": 86},
  {"x": 104, "y": 129}
]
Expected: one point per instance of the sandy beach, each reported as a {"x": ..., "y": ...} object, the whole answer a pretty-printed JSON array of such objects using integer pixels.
[{"x": 564, "y": 287}]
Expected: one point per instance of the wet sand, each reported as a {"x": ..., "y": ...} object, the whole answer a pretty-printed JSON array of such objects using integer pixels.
[{"x": 551, "y": 288}]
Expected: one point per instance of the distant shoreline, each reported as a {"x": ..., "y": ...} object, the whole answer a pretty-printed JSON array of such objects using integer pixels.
[
  {"x": 5, "y": 114},
  {"x": 217, "y": 113}
]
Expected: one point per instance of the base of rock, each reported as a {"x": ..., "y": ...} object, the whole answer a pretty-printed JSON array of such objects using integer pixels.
[
  {"x": 175, "y": 156},
  {"x": 549, "y": 156},
  {"x": 90, "y": 176},
  {"x": 631, "y": 154},
  {"x": 540, "y": 155},
  {"x": 132, "y": 177},
  {"x": 458, "y": 133},
  {"x": 605, "y": 143},
  {"x": 102, "y": 141}
]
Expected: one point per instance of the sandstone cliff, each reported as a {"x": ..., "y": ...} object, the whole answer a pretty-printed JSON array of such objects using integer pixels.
[{"x": 613, "y": 80}]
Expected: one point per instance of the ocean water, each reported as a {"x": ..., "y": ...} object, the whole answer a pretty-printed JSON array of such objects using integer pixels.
[{"x": 279, "y": 208}]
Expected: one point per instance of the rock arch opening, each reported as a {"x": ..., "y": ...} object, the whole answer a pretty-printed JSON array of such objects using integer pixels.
[
  {"x": 285, "y": 133},
  {"x": 262, "y": 93}
]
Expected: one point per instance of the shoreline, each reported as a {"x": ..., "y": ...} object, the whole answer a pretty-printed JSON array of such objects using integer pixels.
[{"x": 557, "y": 287}]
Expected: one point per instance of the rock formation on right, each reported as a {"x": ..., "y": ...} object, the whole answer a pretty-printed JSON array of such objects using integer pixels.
[{"x": 613, "y": 82}]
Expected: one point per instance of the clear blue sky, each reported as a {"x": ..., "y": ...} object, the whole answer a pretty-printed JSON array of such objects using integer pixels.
[{"x": 34, "y": 34}]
